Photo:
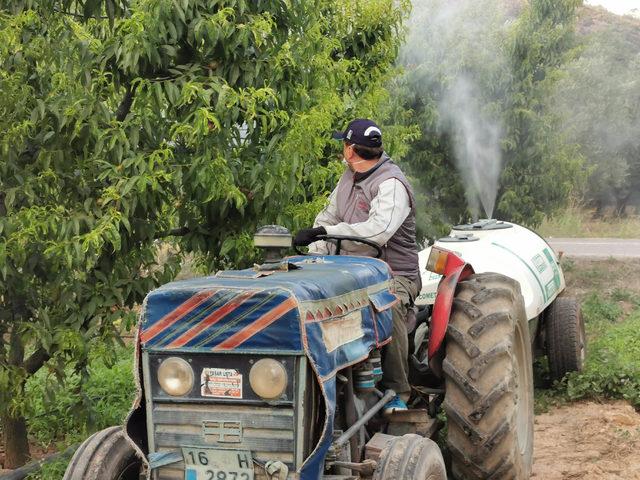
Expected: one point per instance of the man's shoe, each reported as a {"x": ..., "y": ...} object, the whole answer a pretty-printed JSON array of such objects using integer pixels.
[{"x": 396, "y": 404}]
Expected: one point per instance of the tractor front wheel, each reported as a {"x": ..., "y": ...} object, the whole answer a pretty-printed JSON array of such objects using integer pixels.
[
  {"x": 410, "y": 457},
  {"x": 489, "y": 381},
  {"x": 105, "y": 455}
]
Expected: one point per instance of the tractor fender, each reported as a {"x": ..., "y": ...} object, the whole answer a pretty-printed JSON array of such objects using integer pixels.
[{"x": 443, "y": 304}]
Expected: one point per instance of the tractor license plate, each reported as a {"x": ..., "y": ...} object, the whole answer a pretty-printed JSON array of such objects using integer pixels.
[{"x": 215, "y": 464}]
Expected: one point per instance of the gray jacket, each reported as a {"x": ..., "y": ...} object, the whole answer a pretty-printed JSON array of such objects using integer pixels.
[{"x": 349, "y": 212}]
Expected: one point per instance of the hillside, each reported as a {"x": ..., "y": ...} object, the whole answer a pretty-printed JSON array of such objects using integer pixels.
[{"x": 594, "y": 20}]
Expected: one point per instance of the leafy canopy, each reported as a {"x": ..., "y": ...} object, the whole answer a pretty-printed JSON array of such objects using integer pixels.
[
  {"x": 599, "y": 100},
  {"x": 122, "y": 123}
]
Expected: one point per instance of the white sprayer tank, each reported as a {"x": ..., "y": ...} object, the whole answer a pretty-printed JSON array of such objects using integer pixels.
[{"x": 501, "y": 247}]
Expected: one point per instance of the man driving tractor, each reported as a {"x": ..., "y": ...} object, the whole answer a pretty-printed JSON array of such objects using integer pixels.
[{"x": 374, "y": 201}]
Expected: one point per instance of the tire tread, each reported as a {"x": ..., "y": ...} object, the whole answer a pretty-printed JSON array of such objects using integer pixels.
[
  {"x": 101, "y": 456},
  {"x": 563, "y": 323},
  {"x": 479, "y": 346}
]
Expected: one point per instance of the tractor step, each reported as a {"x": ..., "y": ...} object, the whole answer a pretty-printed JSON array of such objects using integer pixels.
[{"x": 415, "y": 421}]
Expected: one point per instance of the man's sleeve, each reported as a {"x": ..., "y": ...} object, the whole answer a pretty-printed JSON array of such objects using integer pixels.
[
  {"x": 388, "y": 211},
  {"x": 328, "y": 216}
]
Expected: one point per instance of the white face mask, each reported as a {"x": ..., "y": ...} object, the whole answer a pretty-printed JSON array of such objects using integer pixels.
[{"x": 349, "y": 164}]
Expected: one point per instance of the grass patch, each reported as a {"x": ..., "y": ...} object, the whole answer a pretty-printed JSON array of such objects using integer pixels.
[
  {"x": 599, "y": 312},
  {"x": 64, "y": 415},
  {"x": 104, "y": 399},
  {"x": 613, "y": 365},
  {"x": 576, "y": 222},
  {"x": 624, "y": 295},
  {"x": 51, "y": 471},
  {"x": 609, "y": 292},
  {"x": 612, "y": 368}
]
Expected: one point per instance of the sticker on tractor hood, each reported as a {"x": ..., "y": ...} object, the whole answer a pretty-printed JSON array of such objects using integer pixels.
[
  {"x": 342, "y": 330},
  {"x": 221, "y": 383}
]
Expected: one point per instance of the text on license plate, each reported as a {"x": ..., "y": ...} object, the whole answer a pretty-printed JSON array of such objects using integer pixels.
[{"x": 215, "y": 464}]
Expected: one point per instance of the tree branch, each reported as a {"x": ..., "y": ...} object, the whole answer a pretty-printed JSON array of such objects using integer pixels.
[
  {"x": 3, "y": 208},
  {"x": 125, "y": 105},
  {"x": 176, "y": 232},
  {"x": 36, "y": 360},
  {"x": 79, "y": 15}
]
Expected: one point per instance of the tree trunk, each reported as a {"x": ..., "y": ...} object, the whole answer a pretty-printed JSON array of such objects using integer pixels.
[
  {"x": 621, "y": 205},
  {"x": 16, "y": 443},
  {"x": 14, "y": 427},
  {"x": 597, "y": 214}
]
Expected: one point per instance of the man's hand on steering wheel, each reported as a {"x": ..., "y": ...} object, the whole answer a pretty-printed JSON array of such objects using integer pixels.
[{"x": 307, "y": 236}]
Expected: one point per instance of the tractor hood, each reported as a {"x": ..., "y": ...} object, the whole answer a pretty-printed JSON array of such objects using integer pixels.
[
  {"x": 335, "y": 309},
  {"x": 506, "y": 248}
]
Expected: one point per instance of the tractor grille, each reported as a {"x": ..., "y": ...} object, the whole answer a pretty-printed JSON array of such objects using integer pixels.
[{"x": 268, "y": 432}]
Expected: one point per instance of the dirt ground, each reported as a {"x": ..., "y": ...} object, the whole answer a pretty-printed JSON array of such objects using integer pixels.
[
  {"x": 588, "y": 440},
  {"x": 603, "y": 276}
]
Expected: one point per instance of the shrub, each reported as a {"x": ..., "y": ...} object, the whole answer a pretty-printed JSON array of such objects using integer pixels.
[
  {"x": 596, "y": 310},
  {"x": 107, "y": 394}
]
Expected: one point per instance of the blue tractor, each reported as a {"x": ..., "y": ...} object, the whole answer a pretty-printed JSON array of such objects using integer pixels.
[{"x": 270, "y": 373}]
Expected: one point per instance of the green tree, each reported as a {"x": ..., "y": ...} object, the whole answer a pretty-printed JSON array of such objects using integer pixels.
[
  {"x": 599, "y": 99},
  {"x": 124, "y": 122},
  {"x": 451, "y": 45},
  {"x": 477, "y": 75},
  {"x": 542, "y": 168}
]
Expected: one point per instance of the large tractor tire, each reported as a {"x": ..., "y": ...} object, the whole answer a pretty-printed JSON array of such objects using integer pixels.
[
  {"x": 489, "y": 381},
  {"x": 565, "y": 337},
  {"x": 105, "y": 455},
  {"x": 410, "y": 457}
]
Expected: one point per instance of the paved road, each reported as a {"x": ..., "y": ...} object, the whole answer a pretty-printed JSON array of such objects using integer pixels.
[{"x": 597, "y": 247}]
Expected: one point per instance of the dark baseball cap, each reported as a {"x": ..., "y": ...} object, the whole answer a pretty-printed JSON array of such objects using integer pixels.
[{"x": 361, "y": 131}]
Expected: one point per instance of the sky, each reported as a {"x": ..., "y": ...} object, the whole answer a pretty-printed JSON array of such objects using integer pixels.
[{"x": 617, "y": 6}]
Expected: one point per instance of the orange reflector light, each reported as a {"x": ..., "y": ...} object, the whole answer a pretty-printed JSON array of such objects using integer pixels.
[{"x": 437, "y": 260}]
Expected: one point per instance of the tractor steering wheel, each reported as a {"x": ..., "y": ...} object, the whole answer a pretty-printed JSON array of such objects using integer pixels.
[{"x": 340, "y": 238}]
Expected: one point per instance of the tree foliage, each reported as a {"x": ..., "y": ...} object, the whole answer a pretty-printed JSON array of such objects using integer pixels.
[
  {"x": 541, "y": 167},
  {"x": 125, "y": 122},
  {"x": 476, "y": 70},
  {"x": 599, "y": 100}
]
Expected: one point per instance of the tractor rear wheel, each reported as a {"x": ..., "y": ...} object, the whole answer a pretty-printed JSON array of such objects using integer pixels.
[
  {"x": 105, "y": 455},
  {"x": 565, "y": 337},
  {"x": 410, "y": 457},
  {"x": 489, "y": 381}
]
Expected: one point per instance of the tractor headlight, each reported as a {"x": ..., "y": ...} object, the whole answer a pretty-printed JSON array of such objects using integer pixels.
[
  {"x": 268, "y": 378},
  {"x": 175, "y": 376}
]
